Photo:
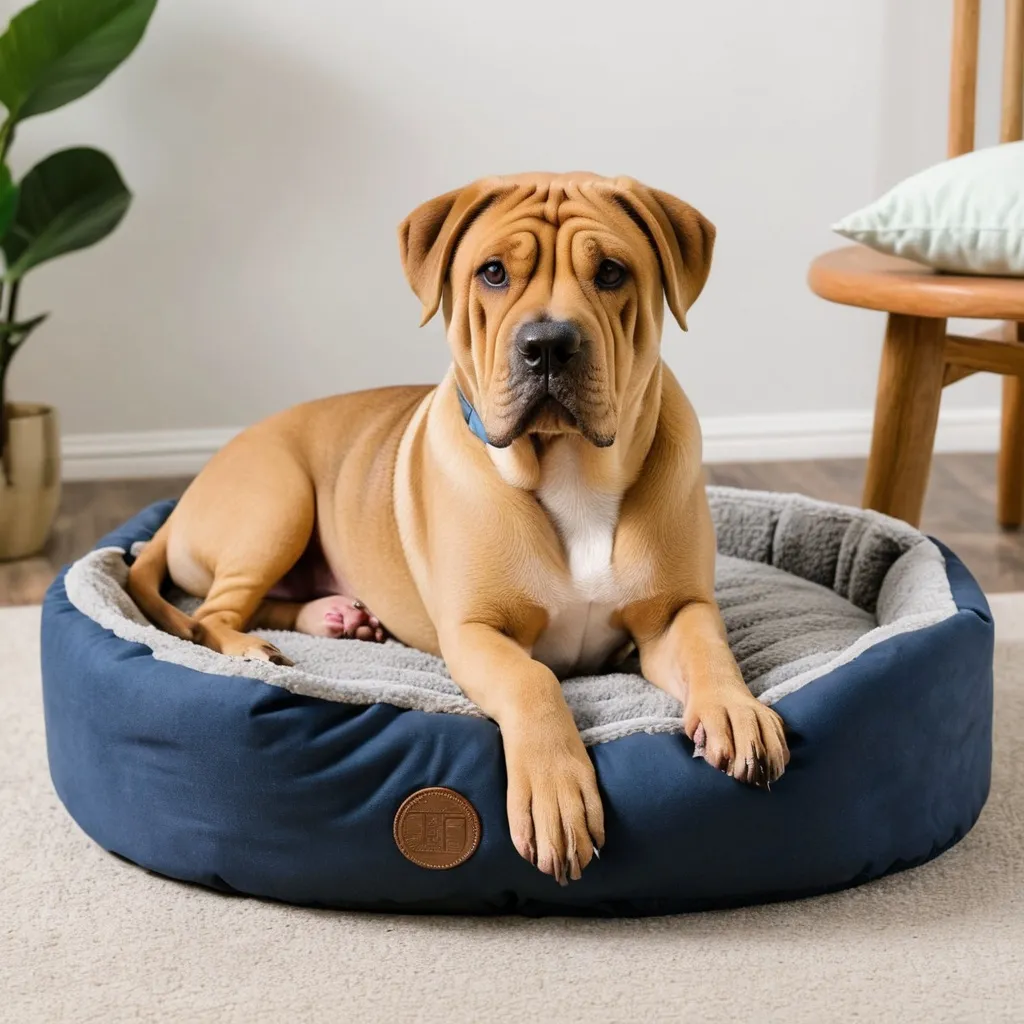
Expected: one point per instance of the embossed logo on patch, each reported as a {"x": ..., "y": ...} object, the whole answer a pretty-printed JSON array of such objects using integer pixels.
[{"x": 437, "y": 828}]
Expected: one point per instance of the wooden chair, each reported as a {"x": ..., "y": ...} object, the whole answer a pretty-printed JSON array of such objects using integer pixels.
[{"x": 919, "y": 358}]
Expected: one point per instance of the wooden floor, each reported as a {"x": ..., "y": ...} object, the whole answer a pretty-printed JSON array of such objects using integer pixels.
[
  {"x": 960, "y": 511},
  {"x": 87, "y": 512}
]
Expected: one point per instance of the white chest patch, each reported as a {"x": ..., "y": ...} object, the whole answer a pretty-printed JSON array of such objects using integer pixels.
[{"x": 579, "y": 636}]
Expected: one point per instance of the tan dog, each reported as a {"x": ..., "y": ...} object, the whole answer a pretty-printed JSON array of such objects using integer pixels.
[{"x": 582, "y": 524}]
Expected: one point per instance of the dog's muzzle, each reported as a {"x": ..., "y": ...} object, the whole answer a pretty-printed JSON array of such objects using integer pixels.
[
  {"x": 548, "y": 365},
  {"x": 546, "y": 348}
]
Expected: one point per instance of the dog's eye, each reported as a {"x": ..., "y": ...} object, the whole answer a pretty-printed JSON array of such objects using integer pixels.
[
  {"x": 610, "y": 275},
  {"x": 493, "y": 274}
]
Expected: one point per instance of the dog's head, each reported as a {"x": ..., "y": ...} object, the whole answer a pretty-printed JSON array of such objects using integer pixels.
[{"x": 552, "y": 293}]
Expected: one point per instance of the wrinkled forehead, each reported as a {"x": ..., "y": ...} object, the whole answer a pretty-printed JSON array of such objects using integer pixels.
[{"x": 549, "y": 211}]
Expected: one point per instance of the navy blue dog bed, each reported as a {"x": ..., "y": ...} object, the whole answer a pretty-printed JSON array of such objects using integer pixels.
[{"x": 878, "y": 656}]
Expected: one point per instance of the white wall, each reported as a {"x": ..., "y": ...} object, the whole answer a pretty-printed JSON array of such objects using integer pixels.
[{"x": 273, "y": 148}]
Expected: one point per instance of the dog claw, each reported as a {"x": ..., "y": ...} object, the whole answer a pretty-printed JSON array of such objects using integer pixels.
[
  {"x": 267, "y": 652},
  {"x": 575, "y": 871},
  {"x": 699, "y": 741}
]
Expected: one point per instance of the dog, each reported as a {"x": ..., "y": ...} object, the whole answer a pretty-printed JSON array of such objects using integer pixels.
[{"x": 525, "y": 519}]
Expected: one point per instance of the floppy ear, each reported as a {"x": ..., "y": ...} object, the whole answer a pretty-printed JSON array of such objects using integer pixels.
[
  {"x": 428, "y": 236},
  {"x": 682, "y": 237}
]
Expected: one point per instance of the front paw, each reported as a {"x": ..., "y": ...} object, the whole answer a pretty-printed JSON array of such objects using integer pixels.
[
  {"x": 739, "y": 735},
  {"x": 554, "y": 807}
]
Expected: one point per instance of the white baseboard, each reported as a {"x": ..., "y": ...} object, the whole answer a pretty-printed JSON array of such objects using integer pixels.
[
  {"x": 144, "y": 453},
  {"x": 833, "y": 435},
  {"x": 814, "y": 435}
]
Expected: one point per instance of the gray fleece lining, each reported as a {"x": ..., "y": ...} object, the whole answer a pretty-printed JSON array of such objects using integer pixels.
[{"x": 804, "y": 587}]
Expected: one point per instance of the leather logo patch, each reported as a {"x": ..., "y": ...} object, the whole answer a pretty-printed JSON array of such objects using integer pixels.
[{"x": 437, "y": 828}]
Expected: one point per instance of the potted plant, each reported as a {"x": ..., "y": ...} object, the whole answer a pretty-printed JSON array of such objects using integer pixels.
[{"x": 51, "y": 53}]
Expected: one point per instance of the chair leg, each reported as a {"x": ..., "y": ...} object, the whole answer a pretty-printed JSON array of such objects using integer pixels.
[
  {"x": 1011, "y": 451},
  {"x": 906, "y": 415}
]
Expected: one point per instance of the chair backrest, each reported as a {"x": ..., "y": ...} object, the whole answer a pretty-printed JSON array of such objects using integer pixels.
[{"x": 963, "y": 79}]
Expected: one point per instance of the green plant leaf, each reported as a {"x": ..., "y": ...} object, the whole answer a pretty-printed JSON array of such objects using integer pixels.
[
  {"x": 18, "y": 332},
  {"x": 68, "y": 201},
  {"x": 8, "y": 199},
  {"x": 57, "y": 50}
]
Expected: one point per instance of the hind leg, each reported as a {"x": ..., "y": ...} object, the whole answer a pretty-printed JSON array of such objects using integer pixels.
[
  {"x": 239, "y": 528},
  {"x": 225, "y": 615}
]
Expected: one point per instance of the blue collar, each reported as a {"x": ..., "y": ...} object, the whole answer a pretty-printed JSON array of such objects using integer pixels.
[{"x": 472, "y": 418}]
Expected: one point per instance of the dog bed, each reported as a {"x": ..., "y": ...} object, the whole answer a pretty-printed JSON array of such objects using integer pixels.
[{"x": 363, "y": 778}]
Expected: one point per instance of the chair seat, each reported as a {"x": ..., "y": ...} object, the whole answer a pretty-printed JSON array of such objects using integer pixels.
[{"x": 859, "y": 276}]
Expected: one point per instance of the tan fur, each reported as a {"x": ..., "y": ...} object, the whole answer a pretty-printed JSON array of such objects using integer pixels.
[{"x": 447, "y": 540}]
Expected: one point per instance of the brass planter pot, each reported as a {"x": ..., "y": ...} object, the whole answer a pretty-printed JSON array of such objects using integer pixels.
[{"x": 29, "y": 479}]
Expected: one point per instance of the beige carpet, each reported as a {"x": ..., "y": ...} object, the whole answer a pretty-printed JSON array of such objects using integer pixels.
[{"x": 86, "y": 937}]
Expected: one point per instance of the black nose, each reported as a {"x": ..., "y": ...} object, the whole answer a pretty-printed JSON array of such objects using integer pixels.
[{"x": 547, "y": 345}]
